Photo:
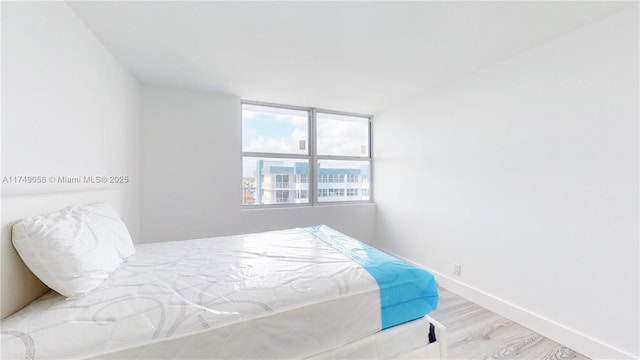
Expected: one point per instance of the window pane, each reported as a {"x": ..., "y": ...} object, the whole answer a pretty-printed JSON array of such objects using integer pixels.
[
  {"x": 342, "y": 135},
  {"x": 268, "y": 181},
  {"x": 268, "y": 129},
  {"x": 343, "y": 180}
]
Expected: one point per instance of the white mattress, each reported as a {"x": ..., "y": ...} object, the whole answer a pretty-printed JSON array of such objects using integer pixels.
[
  {"x": 387, "y": 344},
  {"x": 180, "y": 300}
]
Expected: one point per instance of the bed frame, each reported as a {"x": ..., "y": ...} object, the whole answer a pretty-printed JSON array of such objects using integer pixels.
[{"x": 19, "y": 287}]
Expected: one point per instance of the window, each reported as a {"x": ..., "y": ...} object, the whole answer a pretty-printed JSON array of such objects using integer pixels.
[
  {"x": 331, "y": 178},
  {"x": 282, "y": 196},
  {"x": 282, "y": 181},
  {"x": 342, "y": 135},
  {"x": 290, "y": 153}
]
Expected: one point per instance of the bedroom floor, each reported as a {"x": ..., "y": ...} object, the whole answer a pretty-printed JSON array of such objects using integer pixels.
[{"x": 474, "y": 332}]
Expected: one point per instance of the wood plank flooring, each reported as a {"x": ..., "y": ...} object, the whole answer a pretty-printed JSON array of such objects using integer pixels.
[{"x": 474, "y": 332}]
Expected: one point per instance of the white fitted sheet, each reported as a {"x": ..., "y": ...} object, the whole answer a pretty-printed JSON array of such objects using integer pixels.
[{"x": 229, "y": 297}]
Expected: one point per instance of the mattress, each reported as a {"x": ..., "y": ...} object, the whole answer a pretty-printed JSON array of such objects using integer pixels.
[
  {"x": 387, "y": 344},
  {"x": 312, "y": 289}
]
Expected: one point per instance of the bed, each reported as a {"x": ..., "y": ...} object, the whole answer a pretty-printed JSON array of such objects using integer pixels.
[{"x": 297, "y": 293}]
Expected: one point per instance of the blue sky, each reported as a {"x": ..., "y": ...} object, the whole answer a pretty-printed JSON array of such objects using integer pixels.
[
  {"x": 268, "y": 125},
  {"x": 273, "y": 132}
]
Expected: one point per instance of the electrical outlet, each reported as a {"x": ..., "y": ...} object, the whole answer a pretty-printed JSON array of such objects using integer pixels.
[{"x": 457, "y": 269}]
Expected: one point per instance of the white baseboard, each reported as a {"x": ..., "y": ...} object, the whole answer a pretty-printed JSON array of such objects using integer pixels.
[{"x": 561, "y": 334}]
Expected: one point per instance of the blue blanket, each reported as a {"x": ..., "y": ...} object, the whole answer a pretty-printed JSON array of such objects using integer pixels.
[{"x": 406, "y": 292}]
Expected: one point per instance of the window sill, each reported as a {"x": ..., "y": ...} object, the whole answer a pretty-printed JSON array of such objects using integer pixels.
[{"x": 306, "y": 206}]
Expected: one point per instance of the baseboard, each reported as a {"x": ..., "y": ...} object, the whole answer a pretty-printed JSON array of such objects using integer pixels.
[{"x": 559, "y": 333}]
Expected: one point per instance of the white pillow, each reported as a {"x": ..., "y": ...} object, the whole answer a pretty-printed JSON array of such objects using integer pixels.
[{"x": 73, "y": 250}]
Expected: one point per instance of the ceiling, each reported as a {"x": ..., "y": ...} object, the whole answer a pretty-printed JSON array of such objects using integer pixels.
[{"x": 350, "y": 56}]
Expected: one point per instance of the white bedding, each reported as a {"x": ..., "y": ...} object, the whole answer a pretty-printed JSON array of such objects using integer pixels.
[{"x": 178, "y": 300}]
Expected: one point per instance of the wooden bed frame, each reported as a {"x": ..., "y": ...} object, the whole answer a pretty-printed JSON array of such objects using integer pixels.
[{"x": 19, "y": 287}]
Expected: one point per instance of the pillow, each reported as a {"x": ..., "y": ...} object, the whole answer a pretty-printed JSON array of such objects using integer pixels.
[{"x": 73, "y": 250}]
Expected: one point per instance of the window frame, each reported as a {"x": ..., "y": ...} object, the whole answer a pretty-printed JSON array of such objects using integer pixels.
[{"x": 312, "y": 157}]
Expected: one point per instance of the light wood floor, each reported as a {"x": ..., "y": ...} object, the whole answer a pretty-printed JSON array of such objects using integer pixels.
[{"x": 474, "y": 332}]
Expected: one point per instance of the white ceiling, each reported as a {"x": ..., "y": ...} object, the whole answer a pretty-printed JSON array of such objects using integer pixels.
[{"x": 350, "y": 56}]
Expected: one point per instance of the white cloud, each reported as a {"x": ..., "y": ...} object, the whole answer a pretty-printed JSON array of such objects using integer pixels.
[
  {"x": 342, "y": 138},
  {"x": 280, "y": 145},
  {"x": 248, "y": 114}
]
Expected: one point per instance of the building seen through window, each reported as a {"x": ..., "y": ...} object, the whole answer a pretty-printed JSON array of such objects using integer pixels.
[{"x": 276, "y": 183}]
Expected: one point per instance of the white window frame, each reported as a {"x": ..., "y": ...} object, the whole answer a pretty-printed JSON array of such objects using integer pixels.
[{"x": 312, "y": 157}]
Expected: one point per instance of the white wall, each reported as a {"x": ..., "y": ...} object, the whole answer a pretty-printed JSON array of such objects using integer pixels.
[
  {"x": 526, "y": 173},
  {"x": 68, "y": 107},
  {"x": 191, "y": 174}
]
